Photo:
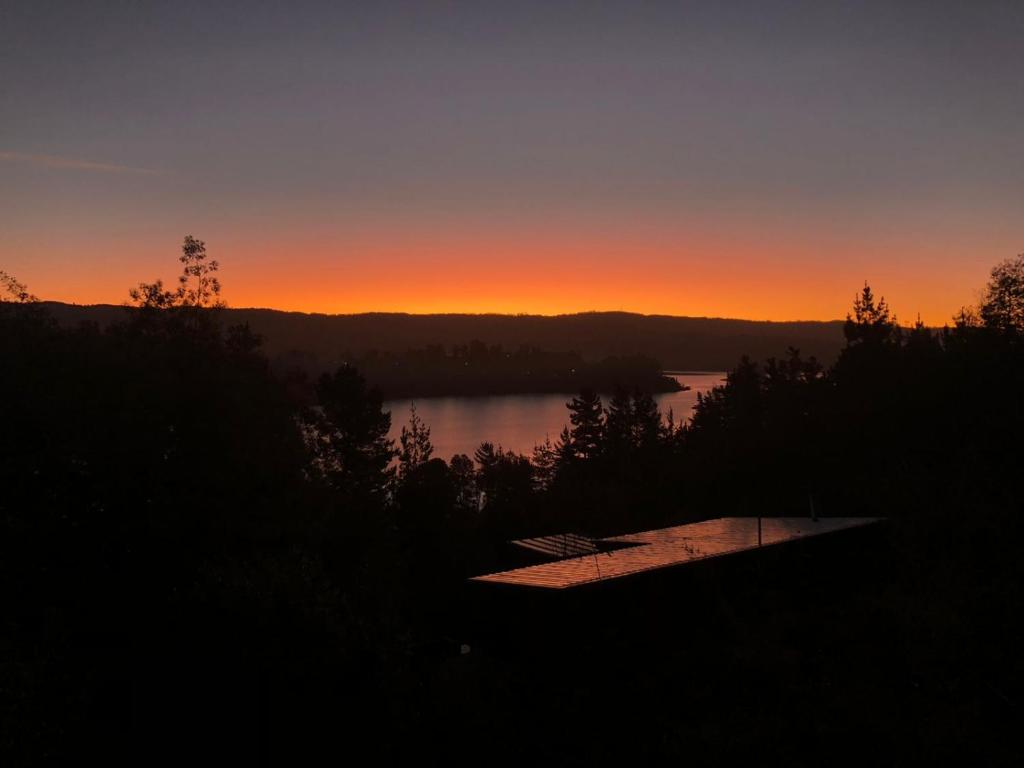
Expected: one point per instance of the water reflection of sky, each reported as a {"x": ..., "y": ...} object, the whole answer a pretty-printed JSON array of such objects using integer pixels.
[{"x": 518, "y": 422}]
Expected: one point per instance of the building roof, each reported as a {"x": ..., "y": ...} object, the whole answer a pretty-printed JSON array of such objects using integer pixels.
[{"x": 667, "y": 547}]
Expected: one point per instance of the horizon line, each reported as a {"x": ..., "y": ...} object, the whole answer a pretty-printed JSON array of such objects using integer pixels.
[{"x": 125, "y": 305}]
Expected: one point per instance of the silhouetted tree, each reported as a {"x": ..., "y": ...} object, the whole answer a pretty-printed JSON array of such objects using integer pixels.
[
  {"x": 349, "y": 434},
  {"x": 414, "y": 440},
  {"x": 430, "y": 529},
  {"x": 871, "y": 355},
  {"x": 586, "y": 415},
  {"x": 13, "y": 290},
  {"x": 467, "y": 494},
  {"x": 1002, "y": 306},
  {"x": 735, "y": 406},
  {"x": 619, "y": 424},
  {"x": 632, "y": 422},
  {"x": 198, "y": 285},
  {"x": 545, "y": 463},
  {"x": 564, "y": 452},
  {"x": 506, "y": 481},
  {"x": 22, "y": 311},
  {"x": 871, "y": 323},
  {"x": 646, "y": 421}
]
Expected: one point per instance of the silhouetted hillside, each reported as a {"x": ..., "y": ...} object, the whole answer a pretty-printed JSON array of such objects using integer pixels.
[{"x": 321, "y": 341}]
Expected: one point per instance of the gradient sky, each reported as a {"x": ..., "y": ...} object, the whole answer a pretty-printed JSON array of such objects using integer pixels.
[{"x": 744, "y": 159}]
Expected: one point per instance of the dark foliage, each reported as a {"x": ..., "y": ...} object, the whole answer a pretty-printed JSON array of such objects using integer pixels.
[{"x": 200, "y": 557}]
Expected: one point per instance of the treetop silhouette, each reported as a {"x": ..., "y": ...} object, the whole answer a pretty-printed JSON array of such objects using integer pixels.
[
  {"x": 1002, "y": 307},
  {"x": 198, "y": 285},
  {"x": 15, "y": 290}
]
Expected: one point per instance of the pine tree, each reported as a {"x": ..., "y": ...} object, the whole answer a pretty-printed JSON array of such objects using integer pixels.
[
  {"x": 871, "y": 323},
  {"x": 619, "y": 424},
  {"x": 416, "y": 447},
  {"x": 467, "y": 493},
  {"x": 646, "y": 420},
  {"x": 587, "y": 418},
  {"x": 348, "y": 434},
  {"x": 545, "y": 463}
]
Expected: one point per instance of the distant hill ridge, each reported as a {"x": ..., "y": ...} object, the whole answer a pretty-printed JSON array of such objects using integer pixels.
[{"x": 679, "y": 343}]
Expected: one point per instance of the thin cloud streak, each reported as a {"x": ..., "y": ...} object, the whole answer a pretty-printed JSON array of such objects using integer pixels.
[{"x": 73, "y": 164}]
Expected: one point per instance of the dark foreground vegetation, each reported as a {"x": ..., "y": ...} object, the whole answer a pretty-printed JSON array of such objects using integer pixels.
[{"x": 204, "y": 561}]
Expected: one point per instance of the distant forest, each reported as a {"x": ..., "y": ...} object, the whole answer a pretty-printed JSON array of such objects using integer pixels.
[{"x": 322, "y": 342}]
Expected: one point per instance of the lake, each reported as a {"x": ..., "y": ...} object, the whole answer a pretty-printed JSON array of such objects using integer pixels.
[{"x": 518, "y": 422}]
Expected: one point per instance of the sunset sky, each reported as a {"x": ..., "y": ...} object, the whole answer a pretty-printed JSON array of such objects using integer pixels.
[{"x": 741, "y": 159}]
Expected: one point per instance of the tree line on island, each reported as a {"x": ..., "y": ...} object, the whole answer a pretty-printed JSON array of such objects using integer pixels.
[
  {"x": 477, "y": 368},
  {"x": 191, "y": 535}
]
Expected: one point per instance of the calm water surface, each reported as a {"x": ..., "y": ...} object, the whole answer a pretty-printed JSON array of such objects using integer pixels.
[{"x": 518, "y": 422}]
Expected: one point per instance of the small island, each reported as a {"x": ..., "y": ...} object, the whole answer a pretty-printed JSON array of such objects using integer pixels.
[{"x": 478, "y": 369}]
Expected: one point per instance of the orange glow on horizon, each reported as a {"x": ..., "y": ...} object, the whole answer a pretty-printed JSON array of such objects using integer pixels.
[{"x": 701, "y": 277}]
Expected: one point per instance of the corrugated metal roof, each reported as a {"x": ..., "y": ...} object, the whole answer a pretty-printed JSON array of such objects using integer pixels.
[
  {"x": 560, "y": 545},
  {"x": 665, "y": 547}
]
